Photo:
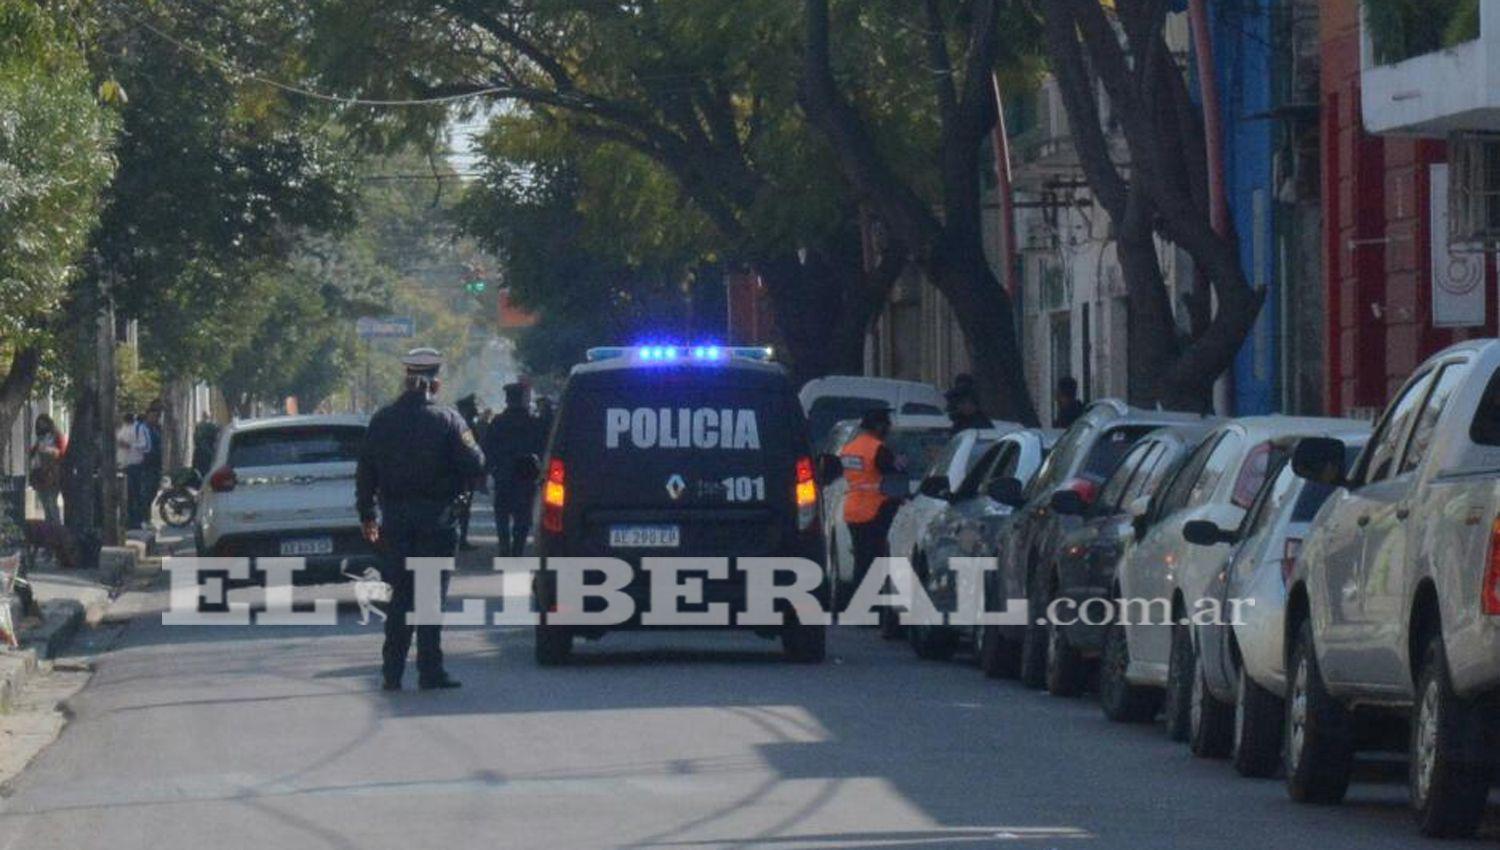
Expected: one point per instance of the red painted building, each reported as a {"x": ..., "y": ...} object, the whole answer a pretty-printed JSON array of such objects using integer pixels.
[{"x": 1377, "y": 237}]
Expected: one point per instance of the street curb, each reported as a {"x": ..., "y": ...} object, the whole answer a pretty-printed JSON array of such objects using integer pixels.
[
  {"x": 15, "y": 668},
  {"x": 61, "y": 620}
]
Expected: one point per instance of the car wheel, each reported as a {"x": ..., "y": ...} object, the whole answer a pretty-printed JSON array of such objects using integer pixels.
[
  {"x": 805, "y": 644},
  {"x": 1319, "y": 732},
  {"x": 1450, "y": 763},
  {"x": 1258, "y": 715},
  {"x": 932, "y": 643},
  {"x": 1123, "y": 702},
  {"x": 1065, "y": 667},
  {"x": 890, "y": 623},
  {"x": 1034, "y": 648},
  {"x": 1210, "y": 722},
  {"x": 998, "y": 657},
  {"x": 554, "y": 646},
  {"x": 1181, "y": 666}
]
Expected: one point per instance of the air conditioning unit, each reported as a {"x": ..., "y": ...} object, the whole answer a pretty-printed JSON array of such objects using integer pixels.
[{"x": 1474, "y": 191}]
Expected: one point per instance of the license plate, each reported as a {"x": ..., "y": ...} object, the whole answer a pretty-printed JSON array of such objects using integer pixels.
[
  {"x": 307, "y": 546},
  {"x": 645, "y": 536}
]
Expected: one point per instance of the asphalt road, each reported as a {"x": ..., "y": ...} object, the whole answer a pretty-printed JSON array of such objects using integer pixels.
[{"x": 226, "y": 738}]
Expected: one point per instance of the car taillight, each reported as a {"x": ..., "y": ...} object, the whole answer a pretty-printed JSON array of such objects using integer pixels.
[
  {"x": 1085, "y": 489},
  {"x": 554, "y": 496},
  {"x": 1490, "y": 593},
  {"x": 807, "y": 494},
  {"x": 1289, "y": 552},
  {"x": 222, "y": 480}
]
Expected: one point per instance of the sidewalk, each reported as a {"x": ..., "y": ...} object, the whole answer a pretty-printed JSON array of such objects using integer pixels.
[{"x": 68, "y": 599}]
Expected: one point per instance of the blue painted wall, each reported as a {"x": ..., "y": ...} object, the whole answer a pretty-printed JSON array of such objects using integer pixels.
[{"x": 1242, "y": 34}]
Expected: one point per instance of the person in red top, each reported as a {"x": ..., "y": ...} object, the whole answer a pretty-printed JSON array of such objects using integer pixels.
[
  {"x": 46, "y": 454},
  {"x": 868, "y": 508}
]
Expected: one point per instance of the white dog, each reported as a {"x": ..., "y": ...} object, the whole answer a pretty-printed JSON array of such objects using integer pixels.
[{"x": 369, "y": 590}]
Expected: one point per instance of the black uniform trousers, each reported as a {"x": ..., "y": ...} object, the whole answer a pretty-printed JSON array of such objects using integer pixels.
[
  {"x": 420, "y": 529},
  {"x": 871, "y": 539}
]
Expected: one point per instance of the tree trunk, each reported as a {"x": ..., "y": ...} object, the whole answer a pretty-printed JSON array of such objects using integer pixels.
[
  {"x": 1151, "y": 332},
  {"x": 82, "y": 481},
  {"x": 963, "y": 275},
  {"x": 824, "y": 306},
  {"x": 16, "y": 387}
]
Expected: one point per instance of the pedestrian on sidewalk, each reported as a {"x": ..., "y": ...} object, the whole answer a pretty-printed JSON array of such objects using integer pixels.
[
  {"x": 45, "y": 468},
  {"x": 1069, "y": 406},
  {"x": 130, "y": 451},
  {"x": 417, "y": 462},
  {"x": 151, "y": 460},
  {"x": 964, "y": 411},
  {"x": 205, "y": 441},
  {"x": 512, "y": 446}
]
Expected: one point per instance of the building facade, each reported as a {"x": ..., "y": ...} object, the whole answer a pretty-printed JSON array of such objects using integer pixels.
[{"x": 1397, "y": 289}]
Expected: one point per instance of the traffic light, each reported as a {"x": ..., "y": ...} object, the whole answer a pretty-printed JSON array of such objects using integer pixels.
[{"x": 475, "y": 286}]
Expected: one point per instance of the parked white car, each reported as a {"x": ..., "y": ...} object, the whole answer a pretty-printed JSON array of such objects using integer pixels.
[
  {"x": 1242, "y": 663},
  {"x": 942, "y": 479},
  {"x": 284, "y": 487},
  {"x": 829, "y": 400},
  {"x": 1395, "y": 602},
  {"x": 1165, "y": 579}
]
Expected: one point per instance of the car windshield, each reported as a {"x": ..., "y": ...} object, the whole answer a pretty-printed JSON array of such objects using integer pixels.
[
  {"x": 915, "y": 450},
  {"x": 1110, "y": 449},
  {"x": 295, "y": 446},
  {"x": 1062, "y": 457}
]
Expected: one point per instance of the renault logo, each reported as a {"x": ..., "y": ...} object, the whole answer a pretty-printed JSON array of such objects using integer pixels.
[{"x": 675, "y": 487}]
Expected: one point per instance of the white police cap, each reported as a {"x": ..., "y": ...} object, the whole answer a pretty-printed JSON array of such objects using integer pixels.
[{"x": 423, "y": 361}]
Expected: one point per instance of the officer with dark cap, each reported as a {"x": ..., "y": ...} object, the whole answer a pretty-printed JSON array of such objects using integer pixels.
[
  {"x": 869, "y": 505},
  {"x": 418, "y": 461},
  {"x": 512, "y": 443}
]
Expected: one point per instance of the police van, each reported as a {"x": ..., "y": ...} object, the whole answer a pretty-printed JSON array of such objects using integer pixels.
[{"x": 678, "y": 452}]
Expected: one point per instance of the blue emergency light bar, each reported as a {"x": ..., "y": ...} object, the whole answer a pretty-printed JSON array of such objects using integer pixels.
[{"x": 682, "y": 353}]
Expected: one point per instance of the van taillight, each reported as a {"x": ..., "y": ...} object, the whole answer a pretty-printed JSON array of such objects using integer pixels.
[
  {"x": 807, "y": 494},
  {"x": 554, "y": 496},
  {"x": 1490, "y": 594},
  {"x": 222, "y": 480},
  {"x": 1289, "y": 552}
]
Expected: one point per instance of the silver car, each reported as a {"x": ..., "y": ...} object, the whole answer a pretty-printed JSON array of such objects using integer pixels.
[
  {"x": 1394, "y": 608},
  {"x": 1242, "y": 662}
]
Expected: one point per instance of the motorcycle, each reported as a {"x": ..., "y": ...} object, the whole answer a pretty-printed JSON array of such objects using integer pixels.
[{"x": 177, "y": 504}]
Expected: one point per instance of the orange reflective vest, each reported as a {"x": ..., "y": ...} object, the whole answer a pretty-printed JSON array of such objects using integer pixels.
[{"x": 864, "y": 499}]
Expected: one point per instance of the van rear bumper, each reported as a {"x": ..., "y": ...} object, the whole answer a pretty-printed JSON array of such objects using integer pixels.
[{"x": 728, "y": 595}]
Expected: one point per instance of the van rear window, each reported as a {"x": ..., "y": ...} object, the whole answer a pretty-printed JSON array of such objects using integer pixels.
[{"x": 629, "y": 440}]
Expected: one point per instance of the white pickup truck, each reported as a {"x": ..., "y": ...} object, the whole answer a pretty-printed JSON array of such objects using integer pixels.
[{"x": 1393, "y": 608}]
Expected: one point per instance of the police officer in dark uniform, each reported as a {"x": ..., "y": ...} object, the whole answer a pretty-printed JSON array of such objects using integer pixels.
[
  {"x": 512, "y": 443},
  {"x": 418, "y": 461}
]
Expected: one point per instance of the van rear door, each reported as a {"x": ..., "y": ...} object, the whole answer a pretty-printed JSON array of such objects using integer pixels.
[{"x": 688, "y": 463}]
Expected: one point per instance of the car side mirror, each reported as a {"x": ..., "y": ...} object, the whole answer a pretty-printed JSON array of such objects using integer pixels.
[
  {"x": 934, "y": 487},
  {"x": 1007, "y": 491},
  {"x": 830, "y": 469},
  {"x": 1202, "y": 532},
  {"x": 1069, "y": 503},
  {"x": 1320, "y": 459},
  {"x": 1139, "y": 510}
]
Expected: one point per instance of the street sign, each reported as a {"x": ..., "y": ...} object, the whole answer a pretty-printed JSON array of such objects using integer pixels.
[{"x": 390, "y": 327}]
